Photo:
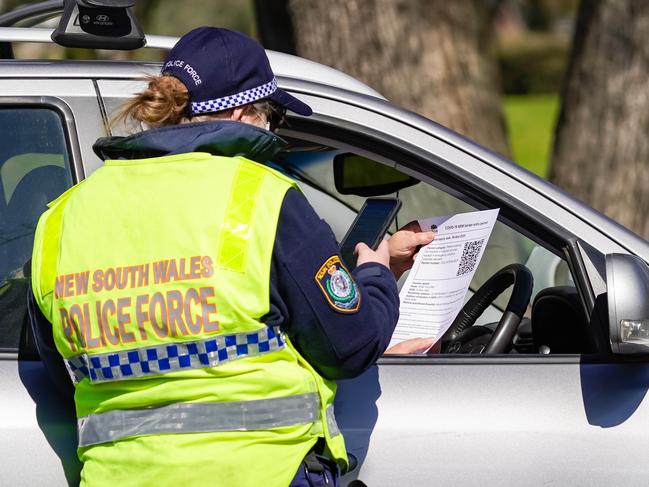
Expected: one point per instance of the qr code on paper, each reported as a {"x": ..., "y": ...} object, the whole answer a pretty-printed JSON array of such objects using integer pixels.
[{"x": 469, "y": 257}]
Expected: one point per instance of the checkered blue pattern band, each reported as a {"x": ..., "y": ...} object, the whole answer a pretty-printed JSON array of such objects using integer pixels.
[
  {"x": 173, "y": 357},
  {"x": 235, "y": 100}
]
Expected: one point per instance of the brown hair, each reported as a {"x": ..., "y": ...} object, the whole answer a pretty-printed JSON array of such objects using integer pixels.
[{"x": 164, "y": 102}]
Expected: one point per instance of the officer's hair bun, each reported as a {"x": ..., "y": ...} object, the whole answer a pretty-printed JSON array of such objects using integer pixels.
[{"x": 164, "y": 102}]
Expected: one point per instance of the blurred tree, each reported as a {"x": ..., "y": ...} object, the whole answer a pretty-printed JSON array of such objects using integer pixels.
[
  {"x": 538, "y": 14},
  {"x": 601, "y": 145},
  {"x": 164, "y": 17},
  {"x": 432, "y": 56},
  {"x": 176, "y": 18},
  {"x": 275, "y": 25},
  {"x": 9, "y": 5}
]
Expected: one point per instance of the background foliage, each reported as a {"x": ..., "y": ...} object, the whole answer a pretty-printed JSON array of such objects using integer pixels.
[{"x": 533, "y": 40}]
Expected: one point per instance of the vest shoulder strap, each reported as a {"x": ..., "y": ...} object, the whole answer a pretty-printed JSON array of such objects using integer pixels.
[
  {"x": 46, "y": 247},
  {"x": 274, "y": 172}
]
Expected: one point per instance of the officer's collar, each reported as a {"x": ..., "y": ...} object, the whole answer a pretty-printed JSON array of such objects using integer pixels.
[{"x": 220, "y": 137}]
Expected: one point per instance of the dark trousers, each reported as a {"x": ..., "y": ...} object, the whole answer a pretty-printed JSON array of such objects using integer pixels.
[{"x": 316, "y": 471}]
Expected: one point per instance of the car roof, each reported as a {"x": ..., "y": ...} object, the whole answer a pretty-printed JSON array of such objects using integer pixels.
[{"x": 284, "y": 65}]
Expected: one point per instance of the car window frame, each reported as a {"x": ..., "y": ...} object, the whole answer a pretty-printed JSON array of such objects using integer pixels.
[
  {"x": 75, "y": 167},
  {"x": 64, "y": 111},
  {"x": 347, "y": 136}
]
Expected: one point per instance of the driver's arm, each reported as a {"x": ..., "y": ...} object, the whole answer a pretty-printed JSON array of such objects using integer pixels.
[{"x": 403, "y": 246}]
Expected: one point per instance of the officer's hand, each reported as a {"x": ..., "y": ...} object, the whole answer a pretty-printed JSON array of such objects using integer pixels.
[
  {"x": 414, "y": 345},
  {"x": 365, "y": 254},
  {"x": 404, "y": 245}
]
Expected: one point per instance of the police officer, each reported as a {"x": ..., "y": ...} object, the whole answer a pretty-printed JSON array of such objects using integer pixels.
[{"x": 198, "y": 302}]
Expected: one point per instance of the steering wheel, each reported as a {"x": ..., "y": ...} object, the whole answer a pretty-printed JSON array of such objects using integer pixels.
[{"x": 463, "y": 337}]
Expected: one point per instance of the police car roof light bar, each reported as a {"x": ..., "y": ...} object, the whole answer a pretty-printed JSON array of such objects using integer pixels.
[{"x": 99, "y": 24}]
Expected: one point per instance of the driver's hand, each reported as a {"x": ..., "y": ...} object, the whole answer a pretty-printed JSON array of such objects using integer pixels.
[
  {"x": 404, "y": 245},
  {"x": 414, "y": 345},
  {"x": 365, "y": 254}
]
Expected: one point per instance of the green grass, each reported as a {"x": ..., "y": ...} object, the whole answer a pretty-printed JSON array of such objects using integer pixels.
[{"x": 530, "y": 122}]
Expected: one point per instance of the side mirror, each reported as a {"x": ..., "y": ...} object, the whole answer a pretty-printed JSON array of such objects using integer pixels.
[
  {"x": 361, "y": 176},
  {"x": 627, "y": 282},
  {"x": 99, "y": 24}
]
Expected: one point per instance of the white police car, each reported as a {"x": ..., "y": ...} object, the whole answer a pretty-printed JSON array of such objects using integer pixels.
[{"x": 564, "y": 404}]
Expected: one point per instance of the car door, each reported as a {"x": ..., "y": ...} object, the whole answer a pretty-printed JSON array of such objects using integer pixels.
[
  {"x": 527, "y": 417},
  {"x": 46, "y": 126}
]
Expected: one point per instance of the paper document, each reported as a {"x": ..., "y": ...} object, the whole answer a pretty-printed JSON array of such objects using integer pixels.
[{"x": 434, "y": 291}]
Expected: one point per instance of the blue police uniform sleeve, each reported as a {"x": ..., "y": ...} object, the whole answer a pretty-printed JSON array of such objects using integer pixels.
[
  {"x": 49, "y": 355},
  {"x": 340, "y": 333}
]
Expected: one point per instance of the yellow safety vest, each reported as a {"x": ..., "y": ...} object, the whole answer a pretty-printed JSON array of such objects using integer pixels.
[{"x": 155, "y": 275}]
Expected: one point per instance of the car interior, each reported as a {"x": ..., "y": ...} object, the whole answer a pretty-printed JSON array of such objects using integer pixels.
[{"x": 553, "y": 318}]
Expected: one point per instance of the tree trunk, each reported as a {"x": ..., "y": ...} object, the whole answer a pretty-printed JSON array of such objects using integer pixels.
[
  {"x": 601, "y": 145},
  {"x": 434, "y": 57},
  {"x": 274, "y": 25}
]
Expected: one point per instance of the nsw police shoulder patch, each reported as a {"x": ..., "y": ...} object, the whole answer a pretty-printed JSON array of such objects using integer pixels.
[{"x": 338, "y": 286}]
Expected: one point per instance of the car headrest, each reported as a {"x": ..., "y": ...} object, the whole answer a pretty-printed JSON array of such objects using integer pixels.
[
  {"x": 35, "y": 190},
  {"x": 28, "y": 201},
  {"x": 558, "y": 321}
]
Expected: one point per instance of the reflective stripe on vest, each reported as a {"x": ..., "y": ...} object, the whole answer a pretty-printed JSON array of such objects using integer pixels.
[
  {"x": 173, "y": 357},
  {"x": 236, "y": 225},
  {"x": 197, "y": 417}
]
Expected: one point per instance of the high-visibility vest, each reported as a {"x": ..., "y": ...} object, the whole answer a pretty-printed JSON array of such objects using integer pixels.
[{"x": 155, "y": 276}]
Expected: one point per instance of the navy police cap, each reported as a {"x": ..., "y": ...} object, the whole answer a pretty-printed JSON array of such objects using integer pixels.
[{"x": 224, "y": 69}]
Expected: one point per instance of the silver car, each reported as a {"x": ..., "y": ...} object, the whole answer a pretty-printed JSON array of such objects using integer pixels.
[{"x": 563, "y": 403}]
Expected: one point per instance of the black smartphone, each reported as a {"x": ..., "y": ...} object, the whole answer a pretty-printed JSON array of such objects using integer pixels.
[{"x": 370, "y": 226}]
